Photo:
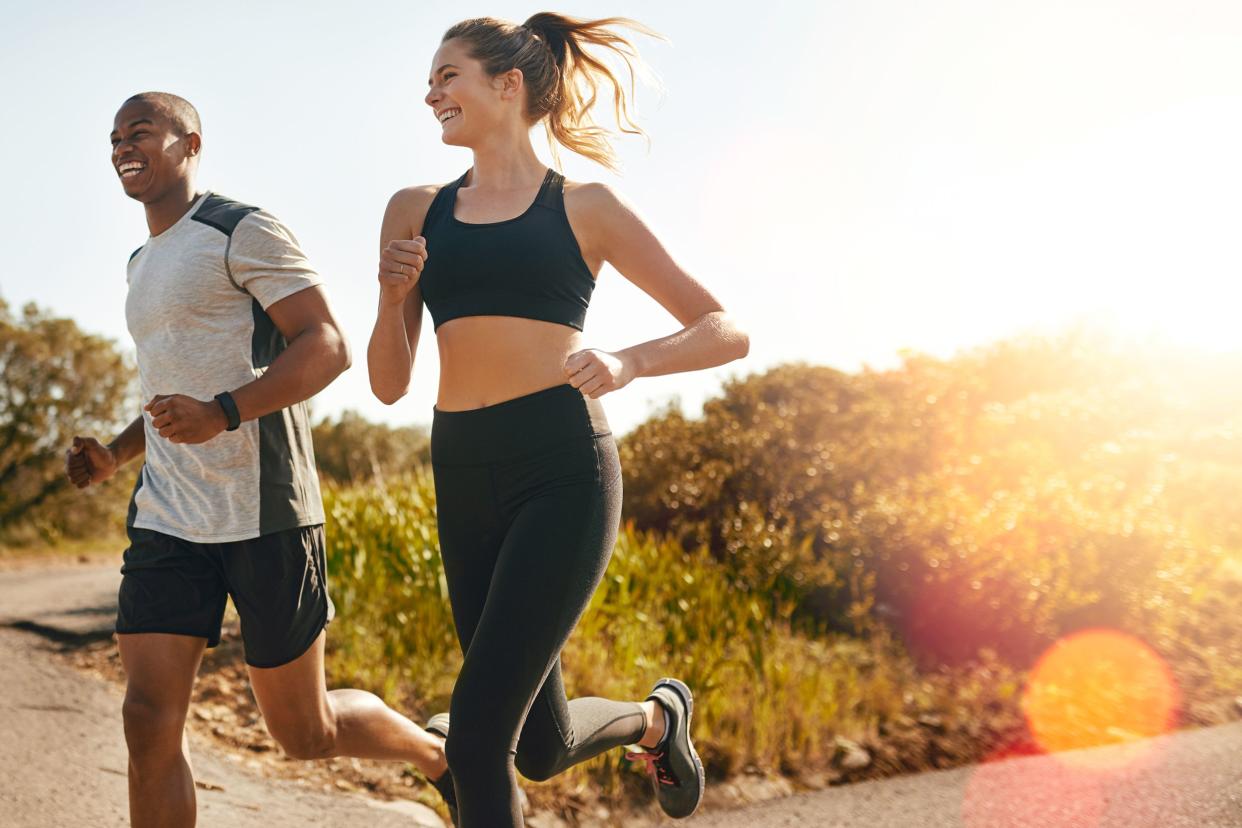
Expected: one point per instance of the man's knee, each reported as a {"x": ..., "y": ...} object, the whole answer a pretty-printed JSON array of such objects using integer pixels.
[
  {"x": 153, "y": 729},
  {"x": 313, "y": 738}
]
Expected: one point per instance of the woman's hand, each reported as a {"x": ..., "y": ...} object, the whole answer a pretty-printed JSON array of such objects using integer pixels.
[
  {"x": 401, "y": 265},
  {"x": 595, "y": 373}
]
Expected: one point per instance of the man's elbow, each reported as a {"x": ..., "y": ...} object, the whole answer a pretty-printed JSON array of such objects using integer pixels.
[
  {"x": 743, "y": 344},
  {"x": 344, "y": 356},
  {"x": 339, "y": 355}
]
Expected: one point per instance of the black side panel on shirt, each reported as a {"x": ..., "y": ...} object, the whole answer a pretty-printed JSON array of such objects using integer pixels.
[
  {"x": 286, "y": 458},
  {"x": 133, "y": 497},
  {"x": 224, "y": 215}
]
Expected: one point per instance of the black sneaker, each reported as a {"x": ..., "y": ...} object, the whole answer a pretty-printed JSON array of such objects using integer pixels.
[
  {"x": 674, "y": 765},
  {"x": 439, "y": 724}
]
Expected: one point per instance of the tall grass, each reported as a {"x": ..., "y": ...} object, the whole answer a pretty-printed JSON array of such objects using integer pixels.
[{"x": 767, "y": 697}]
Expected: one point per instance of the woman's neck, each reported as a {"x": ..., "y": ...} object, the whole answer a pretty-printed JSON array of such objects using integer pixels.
[{"x": 506, "y": 164}]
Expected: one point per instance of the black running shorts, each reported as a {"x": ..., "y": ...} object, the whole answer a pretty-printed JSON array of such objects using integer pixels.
[{"x": 277, "y": 582}]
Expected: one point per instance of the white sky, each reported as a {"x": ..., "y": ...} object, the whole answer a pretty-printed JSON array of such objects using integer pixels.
[{"x": 850, "y": 178}]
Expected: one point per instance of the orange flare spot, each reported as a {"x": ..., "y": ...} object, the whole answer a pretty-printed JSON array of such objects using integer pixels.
[{"x": 1100, "y": 687}]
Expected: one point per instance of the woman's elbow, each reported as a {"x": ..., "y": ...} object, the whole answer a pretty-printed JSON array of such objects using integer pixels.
[
  {"x": 388, "y": 396},
  {"x": 738, "y": 339}
]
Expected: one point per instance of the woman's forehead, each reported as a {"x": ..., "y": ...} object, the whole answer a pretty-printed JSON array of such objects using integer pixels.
[{"x": 450, "y": 51}]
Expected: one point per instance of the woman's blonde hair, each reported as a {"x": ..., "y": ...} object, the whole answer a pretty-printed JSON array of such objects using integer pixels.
[{"x": 562, "y": 78}]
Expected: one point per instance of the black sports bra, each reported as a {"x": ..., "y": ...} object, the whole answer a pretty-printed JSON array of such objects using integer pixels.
[{"x": 529, "y": 266}]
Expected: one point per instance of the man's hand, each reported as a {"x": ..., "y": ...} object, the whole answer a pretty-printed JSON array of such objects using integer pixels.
[
  {"x": 182, "y": 419},
  {"x": 89, "y": 461},
  {"x": 595, "y": 373}
]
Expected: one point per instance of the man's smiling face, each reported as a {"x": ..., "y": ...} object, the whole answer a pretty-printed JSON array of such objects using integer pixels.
[{"x": 149, "y": 152}]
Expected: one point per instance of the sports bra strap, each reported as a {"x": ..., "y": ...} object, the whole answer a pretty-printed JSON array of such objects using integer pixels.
[
  {"x": 551, "y": 194},
  {"x": 443, "y": 196}
]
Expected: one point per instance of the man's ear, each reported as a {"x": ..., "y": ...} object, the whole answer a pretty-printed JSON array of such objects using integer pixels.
[{"x": 193, "y": 144}]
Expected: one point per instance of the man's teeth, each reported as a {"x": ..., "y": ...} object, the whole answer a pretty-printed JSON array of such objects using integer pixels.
[{"x": 131, "y": 168}]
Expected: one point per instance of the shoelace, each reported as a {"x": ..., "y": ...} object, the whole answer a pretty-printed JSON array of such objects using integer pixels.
[{"x": 654, "y": 767}]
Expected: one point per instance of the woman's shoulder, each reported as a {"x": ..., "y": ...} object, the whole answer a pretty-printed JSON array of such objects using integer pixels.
[
  {"x": 409, "y": 205},
  {"x": 593, "y": 198},
  {"x": 417, "y": 196}
]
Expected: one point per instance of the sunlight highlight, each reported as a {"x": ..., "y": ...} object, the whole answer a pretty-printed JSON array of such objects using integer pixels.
[
  {"x": 1096, "y": 688},
  {"x": 1033, "y": 794}
]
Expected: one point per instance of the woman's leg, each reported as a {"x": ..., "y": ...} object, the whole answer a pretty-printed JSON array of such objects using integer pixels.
[
  {"x": 564, "y": 509},
  {"x": 559, "y": 732}
]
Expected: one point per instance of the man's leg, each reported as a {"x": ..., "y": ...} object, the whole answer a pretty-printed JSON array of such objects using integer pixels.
[
  {"x": 311, "y": 723},
  {"x": 160, "y": 672}
]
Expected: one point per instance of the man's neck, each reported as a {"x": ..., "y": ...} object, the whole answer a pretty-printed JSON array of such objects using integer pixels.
[{"x": 170, "y": 207}]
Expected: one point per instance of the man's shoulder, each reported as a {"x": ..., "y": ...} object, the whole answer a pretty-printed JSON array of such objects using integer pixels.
[{"x": 222, "y": 213}]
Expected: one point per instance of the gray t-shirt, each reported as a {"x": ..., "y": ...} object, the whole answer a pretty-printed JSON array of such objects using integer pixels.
[{"x": 196, "y": 308}]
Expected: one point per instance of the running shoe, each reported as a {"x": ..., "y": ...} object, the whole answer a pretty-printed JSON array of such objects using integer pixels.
[
  {"x": 675, "y": 768},
  {"x": 439, "y": 724}
]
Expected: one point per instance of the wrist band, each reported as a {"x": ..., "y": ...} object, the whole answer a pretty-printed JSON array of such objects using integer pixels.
[{"x": 231, "y": 414}]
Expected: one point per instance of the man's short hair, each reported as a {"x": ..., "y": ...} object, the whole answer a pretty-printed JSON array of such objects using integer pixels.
[{"x": 177, "y": 109}]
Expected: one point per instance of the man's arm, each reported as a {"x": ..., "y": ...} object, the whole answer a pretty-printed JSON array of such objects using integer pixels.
[
  {"x": 316, "y": 354},
  {"x": 88, "y": 461}
]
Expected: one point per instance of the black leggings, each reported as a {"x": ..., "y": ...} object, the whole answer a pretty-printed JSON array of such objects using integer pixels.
[{"x": 528, "y": 498}]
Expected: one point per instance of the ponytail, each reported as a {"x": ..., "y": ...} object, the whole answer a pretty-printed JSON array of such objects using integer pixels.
[{"x": 562, "y": 79}]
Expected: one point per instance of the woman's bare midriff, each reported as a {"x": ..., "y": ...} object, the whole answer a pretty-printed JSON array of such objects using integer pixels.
[{"x": 489, "y": 359}]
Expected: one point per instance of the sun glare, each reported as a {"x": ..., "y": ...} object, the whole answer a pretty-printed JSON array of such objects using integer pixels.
[{"x": 1096, "y": 688}]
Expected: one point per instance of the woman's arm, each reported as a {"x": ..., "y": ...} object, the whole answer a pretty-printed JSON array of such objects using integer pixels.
[
  {"x": 399, "y": 319},
  {"x": 611, "y": 230}
]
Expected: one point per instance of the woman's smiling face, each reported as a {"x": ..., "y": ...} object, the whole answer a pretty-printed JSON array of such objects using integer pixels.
[{"x": 466, "y": 101}]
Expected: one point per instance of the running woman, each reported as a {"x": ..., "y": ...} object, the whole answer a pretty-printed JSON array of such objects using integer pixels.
[
  {"x": 527, "y": 476},
  {"x": 233, "y": 334}
]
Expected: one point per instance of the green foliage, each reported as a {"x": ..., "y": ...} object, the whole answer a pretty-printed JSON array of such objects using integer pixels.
[
  {"x": 57, "y": 382},
  {"x": 354, "y": 449},
  {"x": 979, "y": 507},
  {"x": 394, "y": 627},
  {"x": 997, "y": 499},
  {"x": 766, "y": 695}
]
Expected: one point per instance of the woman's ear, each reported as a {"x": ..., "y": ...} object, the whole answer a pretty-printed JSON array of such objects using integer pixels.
[{"x": 510, "y": 83}]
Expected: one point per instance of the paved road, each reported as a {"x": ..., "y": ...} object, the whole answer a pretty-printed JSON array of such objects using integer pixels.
[
  {"x": 62, "y": 748},
  {"x": 1189, "y": 780},
  {"x": 63, "y": 762}
]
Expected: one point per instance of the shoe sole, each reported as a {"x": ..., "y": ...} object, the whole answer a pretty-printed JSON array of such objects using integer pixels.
[
  {"x": 438, "y": 724},
  {"x": 682, "y": 690}
]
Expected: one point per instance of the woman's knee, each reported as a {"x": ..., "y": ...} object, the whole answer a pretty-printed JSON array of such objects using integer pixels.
[
  {"x": 475, "y": 748},
  {"x": 539, "y": 762}
]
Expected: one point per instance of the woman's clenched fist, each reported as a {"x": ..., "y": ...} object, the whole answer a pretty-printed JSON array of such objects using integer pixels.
[{"x": 401, "y": 263}]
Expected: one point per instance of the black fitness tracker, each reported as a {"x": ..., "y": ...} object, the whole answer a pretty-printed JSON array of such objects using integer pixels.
[{"x": 231, "y": 414}]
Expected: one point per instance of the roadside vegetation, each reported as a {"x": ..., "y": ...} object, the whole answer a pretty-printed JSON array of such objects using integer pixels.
[{"x": 857, "y": 572}]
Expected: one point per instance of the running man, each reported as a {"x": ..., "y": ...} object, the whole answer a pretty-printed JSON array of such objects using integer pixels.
[{"x": 233, "y": 335}]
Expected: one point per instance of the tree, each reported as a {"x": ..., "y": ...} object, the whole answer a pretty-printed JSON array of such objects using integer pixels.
[
  {"x": 353, "y": 449},
  {"x": 57, "y": 381}
]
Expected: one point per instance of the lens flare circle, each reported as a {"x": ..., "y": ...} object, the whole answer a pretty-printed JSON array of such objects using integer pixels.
[{"x": 1100, "y": 687}]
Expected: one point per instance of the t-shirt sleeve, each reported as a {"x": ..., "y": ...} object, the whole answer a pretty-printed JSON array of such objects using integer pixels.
[{"x": 265, "y": 260}]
